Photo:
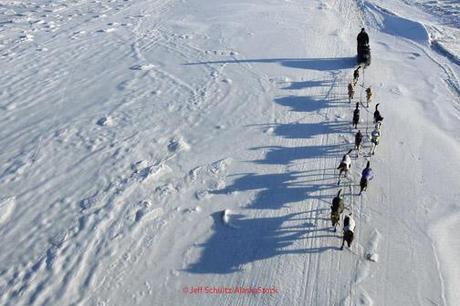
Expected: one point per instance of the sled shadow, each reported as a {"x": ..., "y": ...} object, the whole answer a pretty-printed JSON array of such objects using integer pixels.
[{"x": 320, "y": 64}]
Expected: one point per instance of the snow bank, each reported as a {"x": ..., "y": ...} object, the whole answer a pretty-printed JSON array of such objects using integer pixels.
[{"x": 393, "y": 24}]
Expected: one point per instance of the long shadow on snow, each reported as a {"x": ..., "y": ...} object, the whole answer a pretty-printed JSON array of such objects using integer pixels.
[
  {"x": 306, "y": 104},
  {"x": 321, "y": 64},
  {"x": 307, "y": 84},
  {"x": 276, "y": 190},
  {"x": 285, "y": 155},
  {"x": 248, "y": 240},
  {"x": 309, "y": 130}
]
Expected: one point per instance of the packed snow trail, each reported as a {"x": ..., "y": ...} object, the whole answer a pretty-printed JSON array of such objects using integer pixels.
[{"x": 153, "y": 147}]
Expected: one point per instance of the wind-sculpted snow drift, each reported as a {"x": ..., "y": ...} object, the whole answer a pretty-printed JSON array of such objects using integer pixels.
[{"x": 393, "y": 24}]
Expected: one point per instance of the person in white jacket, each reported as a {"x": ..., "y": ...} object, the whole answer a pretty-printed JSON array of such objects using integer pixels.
[{"x": 348, "y": 230}]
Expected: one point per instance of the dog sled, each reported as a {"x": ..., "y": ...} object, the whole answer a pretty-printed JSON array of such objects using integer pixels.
[{"x": 364, "y": 55}]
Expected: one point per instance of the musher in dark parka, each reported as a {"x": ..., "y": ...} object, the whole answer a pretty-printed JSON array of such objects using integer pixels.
[{"x": 363, "y": 38}]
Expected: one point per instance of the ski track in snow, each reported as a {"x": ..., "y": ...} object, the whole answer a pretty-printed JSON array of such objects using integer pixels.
[{"x": 148, "y": 150}]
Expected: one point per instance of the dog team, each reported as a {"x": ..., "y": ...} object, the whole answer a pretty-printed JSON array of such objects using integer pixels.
[{"x": 367, "y": 174}]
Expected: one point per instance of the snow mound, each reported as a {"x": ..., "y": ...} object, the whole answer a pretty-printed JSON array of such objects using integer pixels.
[
  {"x": 178, "y": 144},
  {"x": 146, "y": 213},
  {"x": 6, "y": 209},
  {"x": 226, "y": 218},
  {"x": 219, "y": 166},
  {"x": 143, "y": 170},
  {"x": 27, "y": 37},
  {"x": 109, "y": 30},
  {"x": 105, "y": 121},
  {"x": 143, "y": 67},
  {"x": 202, "y": 194},
  {"x": 371, "y": 253},
  {"x": 372, "y": 257}
]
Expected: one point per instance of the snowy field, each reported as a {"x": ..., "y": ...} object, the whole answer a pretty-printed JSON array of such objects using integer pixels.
[{"x": 151, "y": 148}]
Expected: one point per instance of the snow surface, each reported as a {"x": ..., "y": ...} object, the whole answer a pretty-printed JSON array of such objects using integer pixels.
[{"x": 153, "y": 147}]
